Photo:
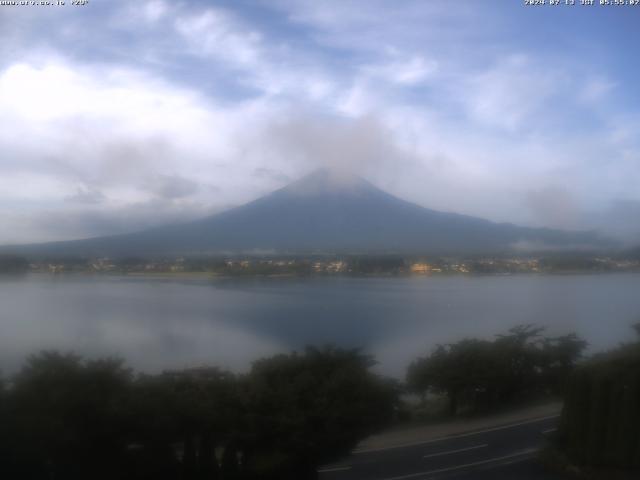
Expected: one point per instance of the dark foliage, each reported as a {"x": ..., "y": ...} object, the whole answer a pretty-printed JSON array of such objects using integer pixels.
[
  {"x": 479, "y": 375},
  {"x": 64, "y": 417},
  {"x": 13, "y": 264},
  {"x": 315, "y": 407},
  {"x": 600, "y": 424}
]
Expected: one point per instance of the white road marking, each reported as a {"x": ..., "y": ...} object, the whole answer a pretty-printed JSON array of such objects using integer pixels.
[
  {"x": 550, "y": 430},
  {"x": 450, "y": 452},
  {"x": 451, "y": 437},
  {"x": 335, "y": 469},
  {"x": 467, "y": 465}
]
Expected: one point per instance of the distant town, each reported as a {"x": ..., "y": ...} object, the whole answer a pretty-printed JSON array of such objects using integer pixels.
[{"x": 252, "y": 265}]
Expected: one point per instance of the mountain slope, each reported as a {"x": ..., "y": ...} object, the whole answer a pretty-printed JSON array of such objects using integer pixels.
[{"x": 324, "y": 213}]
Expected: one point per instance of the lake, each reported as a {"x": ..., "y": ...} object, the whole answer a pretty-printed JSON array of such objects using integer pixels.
[{"x": 157, "y": 323}]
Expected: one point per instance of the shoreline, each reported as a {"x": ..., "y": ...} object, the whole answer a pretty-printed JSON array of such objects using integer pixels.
[{"x": 217, "y": 276}]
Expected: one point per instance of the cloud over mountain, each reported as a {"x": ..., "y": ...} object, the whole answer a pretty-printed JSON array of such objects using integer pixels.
[
  {"x": 122, "y": 104},
  {"x": 327, "y": 211}
]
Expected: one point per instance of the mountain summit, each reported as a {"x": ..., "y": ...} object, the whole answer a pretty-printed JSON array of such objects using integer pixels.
[
  {"x": 329, "y": 182},
  {"x": 325, "y": 211}
]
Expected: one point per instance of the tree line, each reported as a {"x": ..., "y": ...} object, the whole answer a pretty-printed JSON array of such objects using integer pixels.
[
  {"x": 64, "y": 417},
  {"x": 13, "y": 264},
  {"x": 67, "y": 417},
  {"x": 478, "y": 375}
]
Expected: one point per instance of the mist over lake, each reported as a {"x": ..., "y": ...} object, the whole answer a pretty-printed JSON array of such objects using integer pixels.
[{"x": 158, "y": 323}]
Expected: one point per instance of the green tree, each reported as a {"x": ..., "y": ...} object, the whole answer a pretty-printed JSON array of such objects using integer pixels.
[
  {"x": 480, "y": 374},
  {"x": 518, "y": 359},
  {"x": 68, "y": 417},
  {"x": 601, "y": 414},
  {"x": 310, "y": 408},
  {"x": 181, "y": 417},
  {"x": 559, "y": 358},
  {"x": 64, "y": 417},
  {"x": 463, "y": 371}
]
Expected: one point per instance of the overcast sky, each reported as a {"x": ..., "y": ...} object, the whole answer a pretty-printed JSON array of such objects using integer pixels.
[{"x": 120, "y": 115}]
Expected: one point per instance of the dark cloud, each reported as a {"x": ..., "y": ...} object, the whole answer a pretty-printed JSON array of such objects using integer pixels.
[
  {"x": 622, "y": 219},
  {"x": 556, "y": 207},
  {"x": 351, "y": 145},
  {"x": 553, "y": 206},
  {"x": 271, "y": 174},
  {"x": 171, "y": 187},
  {"x": 132, "y": 159}
]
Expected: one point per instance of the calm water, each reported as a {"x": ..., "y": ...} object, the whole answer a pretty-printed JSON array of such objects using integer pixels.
[{"x": 160, "y": 323}]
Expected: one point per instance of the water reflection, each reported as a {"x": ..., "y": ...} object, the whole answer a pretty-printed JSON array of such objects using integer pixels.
[{"x": 160, "y": 323}]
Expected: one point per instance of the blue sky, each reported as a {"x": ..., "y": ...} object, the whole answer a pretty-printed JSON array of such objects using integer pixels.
[{"x": 120, "y": 115}]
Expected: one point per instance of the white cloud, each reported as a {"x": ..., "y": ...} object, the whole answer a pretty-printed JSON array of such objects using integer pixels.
[
  {"x": 596, "y": 89},
  {"x": 215, "y": 33},
  {"x": 155, "y": 10},
  {"x": 404, "y": 72},
  {"x": 272, "y": 68},
  {"x": 346, "y": 24},
  {"x": 182, "y": 103},
  {"x": 510, "y": 93},
  {"x": 56, "y": 91},
  {"x": 128, "y": 135},
  {"x": 357, "y": 100},
  {"x": 85, "y": 195}
]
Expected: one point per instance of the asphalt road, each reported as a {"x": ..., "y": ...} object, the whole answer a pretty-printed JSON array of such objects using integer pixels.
[{"x": 502, "y": 452}]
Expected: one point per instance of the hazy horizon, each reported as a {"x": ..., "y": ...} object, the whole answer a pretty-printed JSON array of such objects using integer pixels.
[{"x": 328, "y": 181}]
